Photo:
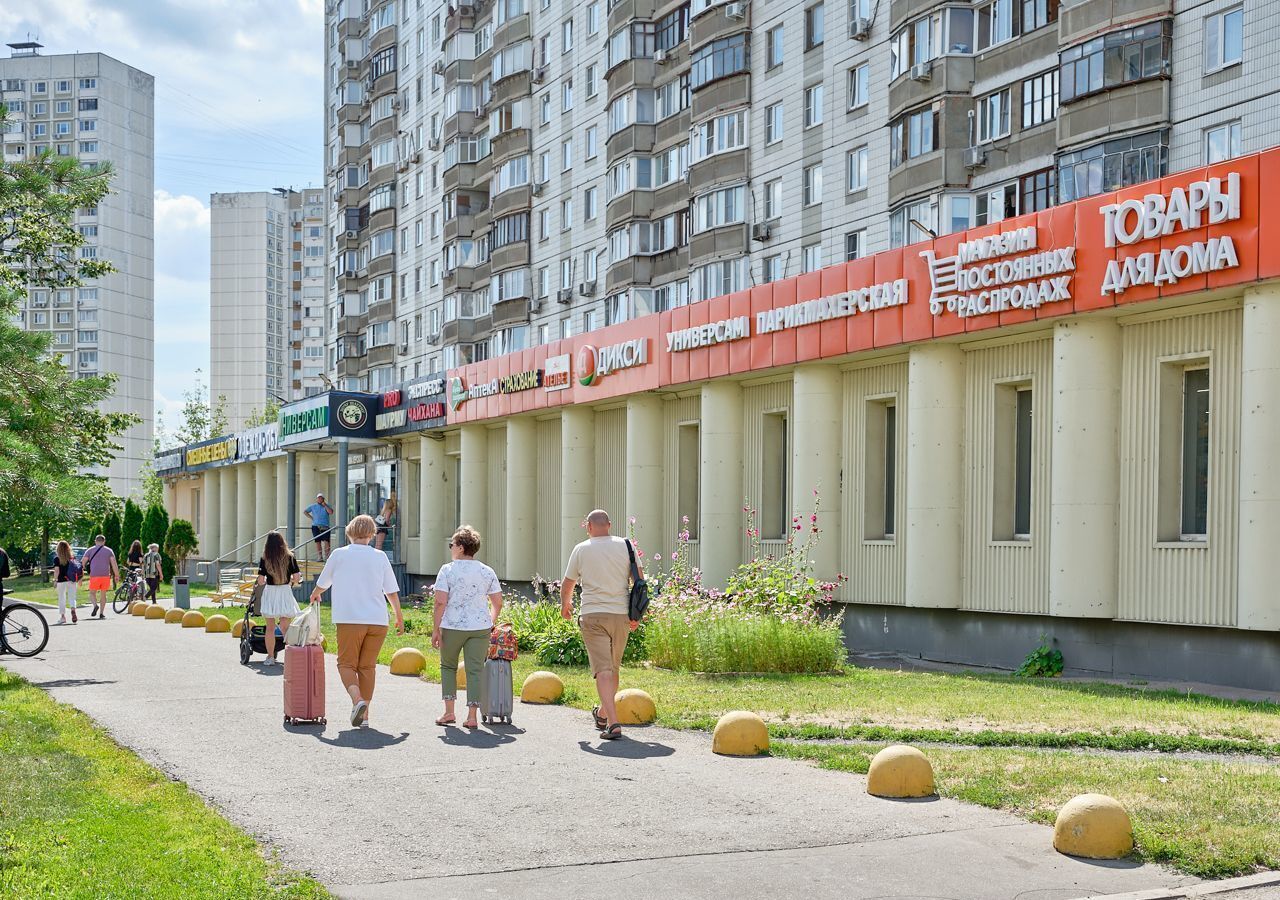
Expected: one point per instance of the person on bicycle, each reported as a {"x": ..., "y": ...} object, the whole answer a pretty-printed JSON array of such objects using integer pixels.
[
  {"x": 152, "y": 570},
  {"x": 99, "y": 561}
]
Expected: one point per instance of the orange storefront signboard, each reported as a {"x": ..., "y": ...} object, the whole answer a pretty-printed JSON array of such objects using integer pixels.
[{"x": 1199, "y": 230}]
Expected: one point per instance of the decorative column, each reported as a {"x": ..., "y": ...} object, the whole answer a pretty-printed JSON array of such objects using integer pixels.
[
  {"x": 577, "y": 474},
  {"x": 212, "y": 520},
  {"x": 474, "y": 467},
  {"x": 435, "y": 506},
  {"x": 1259, "y": 562},
  {"x": 817, "y": 404},
  {"x": 227, "y": 507},
  {"x": 522, "y": 498},
  {"x": 644, "y": 469},
  {"x": 264, "y": 475},
  {"x": 1084, "y": 478},
  {"x": 341, "y": 505},
  {"x": 246, "y": 501},
  {"x": 935, "y": 475},
  {"x": 720, "y": 489},
  {"x": 284, "y": 499},
  {"x": 308, "y": 487}
]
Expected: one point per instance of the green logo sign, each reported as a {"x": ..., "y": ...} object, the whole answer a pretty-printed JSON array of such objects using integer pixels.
[
  {"x": 304, "y": 421},
  {"x": 457, "y": 391},
  {"x": 352, "y": 414}
]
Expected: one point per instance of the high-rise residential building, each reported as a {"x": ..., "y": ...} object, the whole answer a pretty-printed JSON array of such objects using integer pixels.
[
  {"x": 99, "y": 110},
  {"x": 266, "y": 304},
  {"x": 508, "y": 172}
]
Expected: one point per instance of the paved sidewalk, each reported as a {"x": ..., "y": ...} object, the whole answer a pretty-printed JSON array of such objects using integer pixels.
[{"x": 542, "y": 809}]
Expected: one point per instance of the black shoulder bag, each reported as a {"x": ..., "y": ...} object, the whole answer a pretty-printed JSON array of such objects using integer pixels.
[{"x": 638, "y": 599}]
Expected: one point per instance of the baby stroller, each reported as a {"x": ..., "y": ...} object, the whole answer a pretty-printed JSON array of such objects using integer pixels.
[{"x": 253, "y": 638}]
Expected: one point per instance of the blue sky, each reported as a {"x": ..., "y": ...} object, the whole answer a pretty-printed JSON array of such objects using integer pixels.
[{"x": 239, "y": 107}]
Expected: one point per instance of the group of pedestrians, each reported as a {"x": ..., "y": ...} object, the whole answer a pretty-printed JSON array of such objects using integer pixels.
[
  {"x": 467, "y": 605},
  {"x": 99, "y": 565}
]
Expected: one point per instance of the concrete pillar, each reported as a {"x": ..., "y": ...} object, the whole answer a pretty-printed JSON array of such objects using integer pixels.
[
  {"x": 264, "y": 474},
  {"x": 935, "y": 475},
  {"x": 283, "y": 501},
  {"x": 342, "y": 487},
  {"x": 720, "y": 490},
  {"x": 817, "y": 405},
  {"x": 1259, "y": 562},
  {"x": 246, "y": 501},
  {"x": 1084, "y": 478},
  {"x": 522, "y": 498},
  {"x": 212, "y": 523},
  {"x": 308, "y": 486},
  {"x": 227, "y": 508},
  {"x": 435, "y": 506},
  {"x": 475, "y": 477},
  {"x": 644, "y": 470},
  {"x": 577, "y": 475},
  {"x": 291, "y": 504}
]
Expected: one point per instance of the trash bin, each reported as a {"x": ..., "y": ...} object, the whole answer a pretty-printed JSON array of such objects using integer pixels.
[{"x": 181, "y": 592}]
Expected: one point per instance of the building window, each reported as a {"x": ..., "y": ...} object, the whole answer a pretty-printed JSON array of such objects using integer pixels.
[
  {"x": 1223, "y": 39},
  {"x": 814, "y": 26},
  {"x": 593, "y": 18},
  {"x": 722, "y": 207},
  {"x": 566, "y": 215},
  {"x": 1038, "y": 190},
  {"x": 813, "y": 105},
  {"x": 719, "y": 278},
  {"x": 859, "y": 85},
  {"x": 774, "y": 488},
  {"x": 689, "y": 466},
  {"x": 566, "y": 35},
  {"x": 915, "y": 221},
  {"x": 811, "y": 258},
  {"x": 776, "y": 47},
  {"x": 880, "y": 468},
  {"x": 1121, "y": 57},
  {"x": 771, "y": 268},
  {"x": 566, "y": 155},
  {"x": 593, "y": 142},
  {"x": 589, "y": 204},
  {"x": 719, "y": 135},
  {"x": 672, "y": 28},
  {"x": 914, "y": 134},
  {"x": 773, "y": 199},
  {"x": 1185, "y": 409},
  {"x": 593, "y": 78},
  {"x": 1112, "y": 165},
  {"x": 857, "y": 169},
  {"x": 855, "y": 245},
  {"x": 812, "y": 185},
  {"x": 773, "y": 124},
  {"x": 1222, "y": 142},
  {"x": 566, "y": 95},
  {"x": 993, "y": 116},
  {"x": 1040, "y": 99},
  {"x": 1012, "y": 463},
  {"x": 997, "y": 204},
  {"x": 719, "y": 59}
]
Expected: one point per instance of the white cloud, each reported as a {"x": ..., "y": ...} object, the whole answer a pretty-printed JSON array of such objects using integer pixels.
[{"x": 182, "y": 213}]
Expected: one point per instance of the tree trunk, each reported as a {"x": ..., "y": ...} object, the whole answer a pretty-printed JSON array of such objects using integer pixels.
[{"x": 44, "y": 553}]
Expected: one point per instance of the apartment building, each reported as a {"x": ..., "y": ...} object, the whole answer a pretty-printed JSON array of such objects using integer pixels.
[
  {"x": 266, "y": 309},
  {"x": 507, "y": 173},
  {"x": 99, "y": 110}
]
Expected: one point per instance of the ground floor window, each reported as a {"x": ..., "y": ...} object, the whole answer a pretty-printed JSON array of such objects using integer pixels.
[{"x": 690, "y": 465}]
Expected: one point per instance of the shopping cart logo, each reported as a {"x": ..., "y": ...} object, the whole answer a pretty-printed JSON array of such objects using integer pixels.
[{"x": 998, "y": 273}]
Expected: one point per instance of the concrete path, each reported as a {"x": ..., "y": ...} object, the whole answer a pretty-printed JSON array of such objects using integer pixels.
[{"x": 541, "y": 809}]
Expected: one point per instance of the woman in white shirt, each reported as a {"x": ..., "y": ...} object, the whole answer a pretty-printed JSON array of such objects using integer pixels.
[
  {"x": 468, "y": 601},
  {"x": 363, "y": 584}
]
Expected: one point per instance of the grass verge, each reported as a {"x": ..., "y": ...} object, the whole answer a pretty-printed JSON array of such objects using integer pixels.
[
  {"x": 1210, "y": 819},
  {"x": 81, "y": 817},
  {"x": 31, "y": 589}
]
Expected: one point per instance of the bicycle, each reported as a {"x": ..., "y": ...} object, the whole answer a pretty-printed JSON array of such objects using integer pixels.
[
  {"x": 131, "y": 590},
  {"x": 23, "y": 630}
]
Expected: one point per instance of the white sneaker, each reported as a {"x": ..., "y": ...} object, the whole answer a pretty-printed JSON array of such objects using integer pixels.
[
  {"x": 357, "y": 712},
  {"x": 269, "y": 662}
]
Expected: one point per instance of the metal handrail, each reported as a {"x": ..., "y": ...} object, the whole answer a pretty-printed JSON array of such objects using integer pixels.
[{"x": 216, "y": 564}]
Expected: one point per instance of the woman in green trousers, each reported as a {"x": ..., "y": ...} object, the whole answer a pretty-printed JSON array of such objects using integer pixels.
[{"x": 468, "y": 601}]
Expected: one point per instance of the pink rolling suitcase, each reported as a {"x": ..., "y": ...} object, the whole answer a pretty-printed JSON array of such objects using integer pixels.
[{"x": 304, "y": 685}]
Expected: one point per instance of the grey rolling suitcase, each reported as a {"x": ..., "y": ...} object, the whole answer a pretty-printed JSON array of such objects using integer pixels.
[{"x": 498, "y": 699}]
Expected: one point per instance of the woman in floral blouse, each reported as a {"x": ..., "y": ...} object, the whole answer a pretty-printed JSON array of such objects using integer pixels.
[{"x": 468, "y": 601}]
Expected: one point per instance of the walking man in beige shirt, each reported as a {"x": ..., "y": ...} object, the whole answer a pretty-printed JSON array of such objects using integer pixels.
[{"x": 602, "y": 566}]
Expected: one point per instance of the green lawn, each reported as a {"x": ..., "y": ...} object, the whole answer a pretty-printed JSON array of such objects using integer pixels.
[
  {"x": 82, "y": 818},
  {"x": 31, "y": 589}
]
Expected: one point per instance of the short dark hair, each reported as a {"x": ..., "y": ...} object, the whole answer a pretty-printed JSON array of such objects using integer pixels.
[{"x": 468, "y": 539}]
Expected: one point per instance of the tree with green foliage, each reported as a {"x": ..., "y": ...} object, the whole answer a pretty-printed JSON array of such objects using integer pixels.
[
  {"x": 51, "y": 427},
  {"x": 131, "y": 526},
  {"x": 155, "y": 527},
  {"x": 152, "y": 485},
  {"x": 180, "y": 543},
  {"x": 111, "y": 530},
  {"x": 270, "y": 412},
  {"x": 201, "y": 418}
]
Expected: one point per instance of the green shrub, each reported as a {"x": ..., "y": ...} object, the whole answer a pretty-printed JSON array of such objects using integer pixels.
[
  {"x": 560, "y": 645},
  {"x": 180, "y": 543},
  {"x": 731, "y": 640},
  {"x": 1043, "y": 662},
  {"x": 529, "y": 619},
  {"x": 130, "y": 526}
]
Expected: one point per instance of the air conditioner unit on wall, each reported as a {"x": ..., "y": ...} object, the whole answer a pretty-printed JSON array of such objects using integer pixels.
[
  {"x": 660, "y": 57},
  {"x": 539, "y": 74},
  {"x": 564, "y": 295},
  {"x": 860, "y": 29},
  {"x": 735, "y": 10},
  {"x": 433, "y": 144},
  {"x": 587, "y": 289},
  {"x": 761, "y": 232},
  {"x": 437, "y": 67},
  {"x": 921, "y": 71},
  {"x": 975, "y": 158},
  {"x": 537, "y": 189}
]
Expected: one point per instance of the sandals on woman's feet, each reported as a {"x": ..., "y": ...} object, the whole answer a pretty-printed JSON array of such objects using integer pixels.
[
  {"x": 447, "y": 720},
  {"x": 472, "y": 725},
  {"x": 612, "y": 733},
  {"x": 601, "y": 722}
]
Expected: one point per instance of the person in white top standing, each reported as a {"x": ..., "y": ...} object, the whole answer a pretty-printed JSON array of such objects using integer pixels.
[
  {"x": 602, "y": 566},
  {"x": 363, "y": 584},
  {"x": 468, "y": 602}
]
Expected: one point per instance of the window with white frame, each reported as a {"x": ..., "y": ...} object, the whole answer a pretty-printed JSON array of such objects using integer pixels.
[
  {"x": 776, "y": 47},
  {"x": 592, "y": 141},
  {"x": 566, "y": 155},
  {"x": 915, "y": 221},
  {"x": 855, "y": 245},
  {"x": 511, "y": 174},
  {"x": 814, "y": 26},
  {"x": 593, "y": 18},
  {"x": 813, "y": 105},
  {"x": 719, "y": 278},
  {"x": 1223, "y": 39},
  {"x": 773, "y": 199},
  {"x": 718, "y": 208},
  {"x": 722, "y": 134},
  {"x": 566, "y": 95},
  {"x": 771, "y": 268},
  {"x": 773, "y": 123},
  {"x": 811, "y": 257},
  {"x": 812, "y": 185},
  {"x": 993, "y": 115},
  {"x": 566, "y": 35},
  {"x": 1222, "y": 142},
  {"x": 593, "y": 80},
  {"x": 859, "y": 85},
  {"x": 566, "y": 215},
  {"x": 856, "y": 168},
  {"x": 590, "y": 204},
  {"x": 1040, "y": 99}
]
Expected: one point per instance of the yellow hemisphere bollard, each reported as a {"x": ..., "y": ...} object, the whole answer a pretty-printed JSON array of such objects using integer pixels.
[
  {"x": 542, "y": 687},
  {"x": 193, "y": 619},
  {"x": 237, "y": 628},
  {"x": 217, "y": 624},
  {"x": 138, "y": 609},
  {"x": 1094, "y": 826},
  {"x": 408, "y": 661},
  {"x": 153, "y": 611},
  {"x": 898, "y": 771},
  {"x": 740, "y": 733},
  {"x": 635, "y": 707},
  {"x": 174, "y": 615}
]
